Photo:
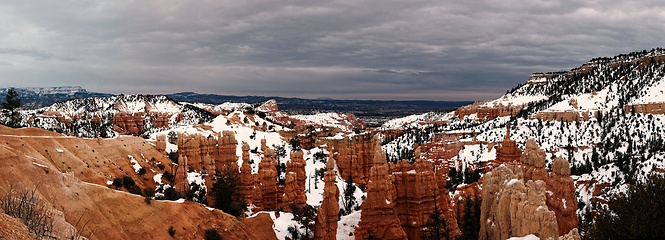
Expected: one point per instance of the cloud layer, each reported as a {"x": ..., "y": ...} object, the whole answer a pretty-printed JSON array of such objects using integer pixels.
[{"x": 383, "y": 49}]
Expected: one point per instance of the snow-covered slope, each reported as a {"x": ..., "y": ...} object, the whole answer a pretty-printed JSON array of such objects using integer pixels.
[
  {"x": 611, "y": 145},
  {"x": 104, "y": 116}
]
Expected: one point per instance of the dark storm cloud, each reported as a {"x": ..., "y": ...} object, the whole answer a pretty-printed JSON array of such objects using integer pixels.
[{"x": 417, "y": 49}]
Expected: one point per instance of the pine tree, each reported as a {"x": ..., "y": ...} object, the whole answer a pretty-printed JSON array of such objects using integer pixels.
[
  {"x": 626, "y": 215},
  {"x": 12, "y": 102},
  {"x": 226, "y": 192},
  {"x": 436, "y": 226},
  {"x": 349, "y": 196},
  {"x": 471, "y": 227}
]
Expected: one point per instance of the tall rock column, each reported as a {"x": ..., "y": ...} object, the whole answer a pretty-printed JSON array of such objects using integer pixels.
[
  {"x": 296, "y": 193},
  {"x": 267, "y": 180},
  {"x": 562, "y": 200},
  {"x": 326, "y": 219},
  {"x": 416, "y": 187},
  {"x": 246, "y": 177},
  {"x": 160, "y": 144},
  {"x": 379, "y": 217}
]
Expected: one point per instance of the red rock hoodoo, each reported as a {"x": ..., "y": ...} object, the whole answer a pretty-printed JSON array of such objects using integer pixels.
[
  {"x": 326, "y": 220},
  {"x": 297, "y": 166},
  {"x": 246, "y": 178},
  {"x": 508, "y": 150},
  {"x": 416, "y": 188},
  {"x": 267, "y": 182},
  {"x": 379, "y": 216}
]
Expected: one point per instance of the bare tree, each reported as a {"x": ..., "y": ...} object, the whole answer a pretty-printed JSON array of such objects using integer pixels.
[{"x": 25, "y": 204}]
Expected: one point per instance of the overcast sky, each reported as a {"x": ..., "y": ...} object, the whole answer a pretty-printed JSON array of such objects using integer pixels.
[{"x": 352, "y": 49}]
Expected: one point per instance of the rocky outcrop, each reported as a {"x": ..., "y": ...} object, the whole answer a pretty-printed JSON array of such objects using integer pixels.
[
  {"x": 511, "y": 207},
  {"x": 519, "y": 198},
  {"x": 267, "y": 182},
  {"x": 564, "y": 116},
  {"x": 650, "y": 108},
  {"x": 379, "y": 217},
  {"x": 326, "y": 219},
  {"x": 292, "y": 195},
  {"x": 355, "y": 155},
  {"x": 128, "y": 123},
  {"x": 160, "y": 144},
  {"x": 487, "y": 112},
  {"x": 508, "y": 150},
  {"x": 560, "y": 186},
  {"x": 220, "y": 150}
]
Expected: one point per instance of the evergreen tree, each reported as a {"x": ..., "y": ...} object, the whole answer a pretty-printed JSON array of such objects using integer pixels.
[
  {"x": 12, "y": 102},
  {"x": 226, "y": 192},
  {"x": 471, "y": 225},
  {"x": 436, "y": 226},
  {"x": 349, "y": 197},
  {"x": 636, "y": 213},
  {"x": 305, "y": 216}
]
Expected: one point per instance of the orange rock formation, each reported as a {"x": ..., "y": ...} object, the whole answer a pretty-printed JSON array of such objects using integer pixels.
[
  {"x": 220, "y": 149},
  {"x": 355, "y": 155},
  {"x": 524, "y": 184},
  {"x": 326, "y": 219},
  {"x": 379, "y": 216},
  {"x": 563, "y": 201},
  {"x": 246, "y": 177},
  {"x": 508, "y": 150},
  {"x": 267, "y": 182},
  {"x": 295, "y": 194}
]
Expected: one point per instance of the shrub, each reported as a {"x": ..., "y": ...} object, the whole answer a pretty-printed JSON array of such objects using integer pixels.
[
  {"x": 148, "y": 193},
  {"x": 128, "y": 182},
  {"x": 196, "y": 193},
  {"x": 117, "y": 183},
  {"x": 135, "y": 190},
  {"x": 142, "y": 171},
  {"x": 212, "y": 234},
  {"x": 171, "y": 194},
  {"x": 226, "y": 192},
  {"x": 171, "y": 231}
]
